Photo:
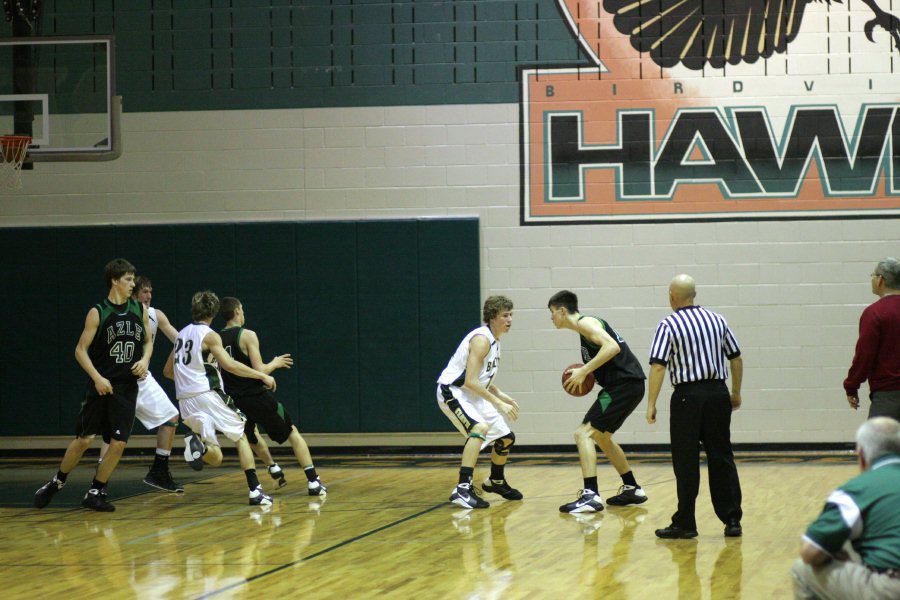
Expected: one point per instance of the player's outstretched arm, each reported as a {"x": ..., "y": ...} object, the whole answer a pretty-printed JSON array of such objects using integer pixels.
[
  {"x": 164, "y": 325},
  {"x": 213, "y": 342},
  {"x": 250, "y": 346}
]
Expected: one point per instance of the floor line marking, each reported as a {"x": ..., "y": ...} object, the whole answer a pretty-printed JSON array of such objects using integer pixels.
[{"x": 319, "y": 553}]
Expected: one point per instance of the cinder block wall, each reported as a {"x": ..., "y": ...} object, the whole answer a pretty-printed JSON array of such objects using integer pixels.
[{"x": 792, "y": 291}]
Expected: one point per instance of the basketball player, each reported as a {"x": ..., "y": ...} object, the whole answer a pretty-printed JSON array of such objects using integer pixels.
[
  {"x": 467, "y": 395},
  {"x": 621, "y": 380},
  {"x": 114, "y": 350},
  {"x": 205, "y": 408},
  {"x": 154, "y": 409},
  {"x": 256, "y": 402}
]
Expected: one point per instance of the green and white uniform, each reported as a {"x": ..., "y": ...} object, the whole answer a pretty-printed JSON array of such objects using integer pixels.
[
  {"x": 153, "y": 405},
  {"x": 205, "y": 407},
  {"x": 251, "y": 397},
  {"x": 117, "y": 345},
  {"x": 464, "y": 408},
  {"x": 119, "y": 340},
  {"x": 621, "y": 381}
]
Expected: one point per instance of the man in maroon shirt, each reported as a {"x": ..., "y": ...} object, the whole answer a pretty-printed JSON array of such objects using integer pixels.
[{"x": 877, "y": 355}]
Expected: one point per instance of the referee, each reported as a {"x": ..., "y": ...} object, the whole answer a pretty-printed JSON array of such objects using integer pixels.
[{"x": 695, "y": 343}]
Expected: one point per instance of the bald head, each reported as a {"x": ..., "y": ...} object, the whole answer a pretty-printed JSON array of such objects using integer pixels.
[{"x": 682, "y": 291}]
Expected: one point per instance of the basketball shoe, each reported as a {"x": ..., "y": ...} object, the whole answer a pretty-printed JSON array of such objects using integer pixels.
[
  {"x": 258, "y": 498},
  {"x": 502, "y": 488},
  {"x": 277, "y": 473},
  {"x": 588, "y": 501},
  {"x": 43, "y": 496},
  {"x": 628, "y": 494},
  {"x": 316, "y": 488},
  {"x": 467, "y": 496},
  {"x": 193, "y": 451},
  {"x": 95, "y": 499},
  {"x": 161, "y": 479}
]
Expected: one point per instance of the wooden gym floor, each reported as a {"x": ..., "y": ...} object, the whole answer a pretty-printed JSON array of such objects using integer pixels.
[{"x": 385, "y": 530}]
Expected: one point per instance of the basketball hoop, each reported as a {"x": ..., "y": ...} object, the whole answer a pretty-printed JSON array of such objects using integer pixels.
[{"x": 13, "y": 149}]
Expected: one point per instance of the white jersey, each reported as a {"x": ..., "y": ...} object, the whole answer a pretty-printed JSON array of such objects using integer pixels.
[
  {"x": 193, "y": 374},
  {"x": 455, "y": 372},
  {"x": 151, "y": 319}
]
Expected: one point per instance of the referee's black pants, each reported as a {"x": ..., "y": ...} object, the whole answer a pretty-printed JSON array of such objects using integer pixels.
[{"x": 701, "y": 413}]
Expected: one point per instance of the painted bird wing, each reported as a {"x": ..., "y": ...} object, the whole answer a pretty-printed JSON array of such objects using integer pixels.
[{"x": 700, "y": 32}]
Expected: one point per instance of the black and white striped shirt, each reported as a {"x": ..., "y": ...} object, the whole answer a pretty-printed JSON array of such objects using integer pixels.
[{"x": 695, "y": 343}]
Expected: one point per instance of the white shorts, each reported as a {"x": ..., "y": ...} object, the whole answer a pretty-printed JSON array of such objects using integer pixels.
[
  {"x": 470, "y": 409},
  {"x": 207, "y": 413},
  {"x": 153, "y": 405}
]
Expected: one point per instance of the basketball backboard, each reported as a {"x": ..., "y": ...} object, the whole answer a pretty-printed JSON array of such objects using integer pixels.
[{"x": 61, "y": 92}]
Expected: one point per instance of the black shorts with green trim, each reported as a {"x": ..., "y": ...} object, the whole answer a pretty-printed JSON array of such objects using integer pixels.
[
  {"x": 109, "y": 415},
  {"x": 264, "y": 410},
  {"x": 613, "y": 405}
]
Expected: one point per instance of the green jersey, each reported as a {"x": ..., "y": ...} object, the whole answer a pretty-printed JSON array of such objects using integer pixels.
[
  {"x": 866, "y": 511},
  {"x": 119, "y": 340},
  {"x": 622, "y": 366}
]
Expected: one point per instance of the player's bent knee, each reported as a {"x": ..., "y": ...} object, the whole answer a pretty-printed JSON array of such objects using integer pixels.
[
  {"x": 213, "y": 456},
  {"x": 503, "y": 445},
  {"x": 584, "y": 431},
  {"x": 84, "y": 442}
]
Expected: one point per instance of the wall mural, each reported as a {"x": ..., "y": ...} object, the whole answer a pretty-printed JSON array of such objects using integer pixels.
[{"x": 715, "y": 111}]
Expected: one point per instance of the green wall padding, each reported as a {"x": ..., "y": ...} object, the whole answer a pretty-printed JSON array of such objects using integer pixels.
[
  {"x": 447, "y": 310},
  {"x": 328, "y": 331},
  {"x": 370, "y": 311},
  {"x": 388, "y": 325}
]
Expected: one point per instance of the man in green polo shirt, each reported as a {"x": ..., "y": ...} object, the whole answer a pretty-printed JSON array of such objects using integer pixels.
[{"x": 864, "y": 511}]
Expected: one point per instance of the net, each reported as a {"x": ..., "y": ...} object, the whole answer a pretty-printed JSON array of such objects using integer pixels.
[{"x": 13, "y": 149}]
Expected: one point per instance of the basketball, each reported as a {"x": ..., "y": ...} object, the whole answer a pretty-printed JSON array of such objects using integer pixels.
[{"x": 586, "y": 386}]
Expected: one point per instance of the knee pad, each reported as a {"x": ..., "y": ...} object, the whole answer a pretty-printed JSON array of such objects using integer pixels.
[
  {"x": 501, "y": 448},
  {"x": 475, "y": 434}
]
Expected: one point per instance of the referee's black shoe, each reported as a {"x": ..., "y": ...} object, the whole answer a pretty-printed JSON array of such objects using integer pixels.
[
  {"x": 674, "y": 532},
  {"x": 733, "y": 528}
]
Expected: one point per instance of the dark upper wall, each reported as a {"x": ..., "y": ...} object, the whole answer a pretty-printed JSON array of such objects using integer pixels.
[{"x": 236, "y": 54}]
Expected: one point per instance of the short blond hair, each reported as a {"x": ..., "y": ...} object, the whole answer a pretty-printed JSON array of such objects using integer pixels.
[{"x": 204, "y": 305}]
